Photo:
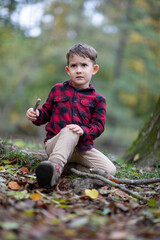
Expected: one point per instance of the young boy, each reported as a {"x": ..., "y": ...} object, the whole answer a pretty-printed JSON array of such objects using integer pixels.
[{"x": 76, "y": 115}]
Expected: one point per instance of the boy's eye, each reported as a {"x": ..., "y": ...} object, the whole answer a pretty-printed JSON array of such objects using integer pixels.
[
  {"x": 73, "y": 65},
  {"x": 84, "y": 65}
]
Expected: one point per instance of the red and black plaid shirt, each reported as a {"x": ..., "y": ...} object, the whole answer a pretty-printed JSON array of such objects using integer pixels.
[{"x": 69, "y": 105}]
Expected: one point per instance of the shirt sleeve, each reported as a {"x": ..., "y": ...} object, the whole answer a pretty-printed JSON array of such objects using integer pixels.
[
  {"x": 46, "y": 110},
  {"x": 96, "y": 126}
]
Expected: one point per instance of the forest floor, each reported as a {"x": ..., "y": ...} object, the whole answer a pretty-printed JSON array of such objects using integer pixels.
[{"x": 77, "y": 208}]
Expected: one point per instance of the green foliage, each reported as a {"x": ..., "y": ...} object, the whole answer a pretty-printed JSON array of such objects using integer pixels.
[
  {"x": 128, "y": 170},
  {"x": 153, "y": 203},
  {"x": 21, "y": 159},
  {"x": 127, "y": 42}
]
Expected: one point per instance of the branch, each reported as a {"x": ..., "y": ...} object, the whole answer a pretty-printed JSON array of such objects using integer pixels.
[
  {"x": 136, "y": 182},
  {"x": 113, "y": 184},
  {"x": 125, "y": 181}
]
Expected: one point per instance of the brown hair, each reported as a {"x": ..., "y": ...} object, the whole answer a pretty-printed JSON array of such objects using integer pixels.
[{"x": 82, "y": 50}]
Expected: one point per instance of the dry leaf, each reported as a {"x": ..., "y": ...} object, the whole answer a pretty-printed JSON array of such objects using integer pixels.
[
  {"x": 24, "y": 169},
  {"x": 119, "y": 234},
  {"x": 93, "y": 194},
  {"x": 122, "y": 194},
  {"x": 13, "y": 185},
  {"x": 36, "y": 196}
]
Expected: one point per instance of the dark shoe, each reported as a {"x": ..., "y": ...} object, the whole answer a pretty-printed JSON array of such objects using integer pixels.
[{"x": 47, "y": 174}]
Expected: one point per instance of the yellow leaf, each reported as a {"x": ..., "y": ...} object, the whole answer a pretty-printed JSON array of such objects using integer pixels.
[
  {"x": 93, "y": 194},
  {"x": 2, "y": 169},
  {"x": 35, "y": 196}
]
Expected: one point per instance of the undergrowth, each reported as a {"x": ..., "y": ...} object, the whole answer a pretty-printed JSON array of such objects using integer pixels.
[
  {"x": 128, "y": 170},
  {"x": 20, "y": 158},
  {"x": 124, "y": 170}
]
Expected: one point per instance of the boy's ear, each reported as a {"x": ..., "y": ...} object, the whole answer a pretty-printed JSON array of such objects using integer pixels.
[
  {"x": 95, "y": 69},
  {"x": 67, "y": 70}
]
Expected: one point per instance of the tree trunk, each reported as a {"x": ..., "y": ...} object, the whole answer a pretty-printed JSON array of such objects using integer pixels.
[
  {"x": 123, "y": 40},
  {"x": 145, "y": 150}
]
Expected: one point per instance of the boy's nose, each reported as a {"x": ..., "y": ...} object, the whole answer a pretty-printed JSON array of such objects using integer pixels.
[{"x": 78, "y": 69}]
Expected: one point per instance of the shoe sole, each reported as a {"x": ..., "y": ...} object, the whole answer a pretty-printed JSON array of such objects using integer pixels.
[{"x": 44, "y": 174}]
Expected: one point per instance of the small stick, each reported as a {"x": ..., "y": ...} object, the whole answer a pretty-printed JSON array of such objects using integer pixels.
[{"x": 37, "y": 104}]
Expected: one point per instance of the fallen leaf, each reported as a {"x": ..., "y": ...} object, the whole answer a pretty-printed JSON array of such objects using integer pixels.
[
  {"x": 113, "y": 179},
  {"x": 13, "y": 185},
  {"x": 123, "y": 194},
  {"x": 21, "y": 194},
  {"x": 2, "y": 169},
  {"x": 2, "y": 179},
  {"x": 152, "y": 203},
  {"x": 70, "y": 232},
  {"x": 133, "y": 203},
  {"x": 136, "y": 157},
  {"x": 24, "y": 169},
  {"x": 106, "y": 211},
  {"x": 19, "y": 143},
  {"x": 93, "y": 194},
  {"x": 10, "y": 225},
  {"x": 122, "y": 207},
  {"x": 78, "y": 222},
  {"x": 117, "y": 235},
  {"x": 156, "y": 212},
  {"x": 36, "y": 196},
  {"x": 13, "y": 160}
]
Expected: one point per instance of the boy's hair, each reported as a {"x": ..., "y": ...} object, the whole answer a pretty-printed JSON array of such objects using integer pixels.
[{"x": 82, "y": 50}]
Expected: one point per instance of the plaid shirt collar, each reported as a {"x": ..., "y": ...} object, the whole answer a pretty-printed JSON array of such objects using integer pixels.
[{"x": 69, "y": 82}]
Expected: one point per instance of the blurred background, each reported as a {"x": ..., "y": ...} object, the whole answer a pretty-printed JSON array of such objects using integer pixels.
[{"x": 34, "y": 39}]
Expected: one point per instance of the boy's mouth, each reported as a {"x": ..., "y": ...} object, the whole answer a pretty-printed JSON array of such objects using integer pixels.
[{"x": 79, "y": 77}]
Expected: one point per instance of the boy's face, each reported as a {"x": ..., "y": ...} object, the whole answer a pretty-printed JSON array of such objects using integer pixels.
[{"x": 81, "y": 69}]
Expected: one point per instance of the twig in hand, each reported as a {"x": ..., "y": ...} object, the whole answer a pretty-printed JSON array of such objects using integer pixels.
[
  {"x": 37, "y": 104},
  {"x": 113, "y": 184}
]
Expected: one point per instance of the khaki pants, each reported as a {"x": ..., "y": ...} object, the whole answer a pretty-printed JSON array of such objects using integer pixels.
[{"x": 62, "y": 149}]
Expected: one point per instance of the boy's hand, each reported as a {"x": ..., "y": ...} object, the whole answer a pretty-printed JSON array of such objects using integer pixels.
[
  {"x": 32, "y": 115},
  {"x": 75, "y": 128}
]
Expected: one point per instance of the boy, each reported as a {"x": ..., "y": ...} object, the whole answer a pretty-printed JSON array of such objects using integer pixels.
[{"x": 76, "y": 115}]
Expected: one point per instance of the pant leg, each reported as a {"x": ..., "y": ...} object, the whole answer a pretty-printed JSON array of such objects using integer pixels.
[
  {"x": 93, "y": 158},
  {"x": 61, "y": 147}
]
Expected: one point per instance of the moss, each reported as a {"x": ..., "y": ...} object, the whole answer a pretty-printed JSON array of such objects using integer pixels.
[{"x": 147, "y": 145}]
